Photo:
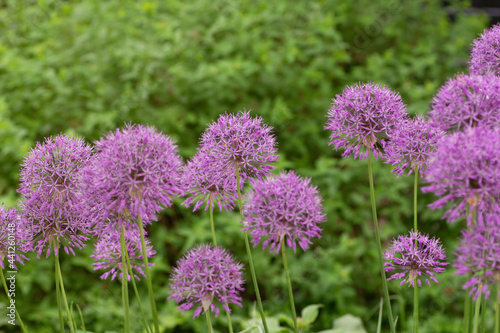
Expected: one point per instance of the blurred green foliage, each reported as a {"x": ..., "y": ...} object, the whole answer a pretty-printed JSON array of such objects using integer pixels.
[{"x": 86, "y": 67}]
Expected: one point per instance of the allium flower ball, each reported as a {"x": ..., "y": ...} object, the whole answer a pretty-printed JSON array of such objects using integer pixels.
[
  {"x": 15, "y": 237},
  {"x": 51, "y": 199},
  {"x": 466, "y": 101},
  {"x": 209, "y": 182},
  {"x": 417, "y": 257},
  {"x": 465, "y": 170},
  {"x": 411, "y": 145},
  {"x": 362, "y": 117},
  {"x": 477, "y": 257},
  {"x": 284, "y": 206},
  {"x": 205, "y": 278},
  {"x": 485, "y": 53},
  {"x": 240, "y": 141},
  {"x": 136, "y": 170},
  {"x": 108, "y": 253}
]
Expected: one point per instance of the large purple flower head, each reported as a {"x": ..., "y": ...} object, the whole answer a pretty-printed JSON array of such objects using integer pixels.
[
  {"x": 240, "y": 141},
  {"x": 485, "y": 53},
  {"x": 15, "y": 237},
  {"x": 49, "y": 184},
  {"x": 477, "y": 257},
  {"x": 417, "y": 256},
  {"x": 284, "y": 206},
  {"x": 108, "y": 253},
  {"x": 136, "y": 170},
  {"x": 466, "y": 101},
  {"x": 209, "y": 182},
  {"x": 362, "y": 117},
  {"x": 465, "y": 170},
  {"x": 207, "y": 277},
  {"x": 411, "y": 145}
]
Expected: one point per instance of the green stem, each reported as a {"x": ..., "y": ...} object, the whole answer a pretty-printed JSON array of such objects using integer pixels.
[
  {"x": 230, "y": 324},
  {"x": 415, "y": 228},
  {"x": 289, "y": 284},
  {"x": 4, "y": 282},
  {"x": 497, "y": 312},
  {"x": 209, "y": 323},
  {"x": 212, "y": 223},
  {"x": 476, "y": 314},
  {"x": 63, "y": 293},
  {"x": 379, "y": 246},
  {"x": 250, "y": 259},
  {"x": 129, "y": 268},
  {"x": 148, "y": 277},
  {"x": 467, "y": 313},
  {"x": 483, "y": 316},
  {"x": 58, "y": 294},
  {"x": 125, "y": 280}
]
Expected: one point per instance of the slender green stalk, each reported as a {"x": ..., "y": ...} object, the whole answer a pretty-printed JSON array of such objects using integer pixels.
[
  {"x": 497, "y": 313},
  {"x": 209, "y": 323},
  {"x": 212, "y": 223},
  {"x": 476, "y": 314},
  {"x": 379, "y": 246},
  {"x": 467, "y": 313},
  {"x": 124, "y": 281},
  {"x": 229, "y": 323},
  {"x": 63, "y": 293},
  {"x": 415, "y": 308},
  {"x": 250, "y": 259},
  {"x": 58, "y": 295},
  {"x": 81, "y": 318},
  {"x": 4, "y": 282},
  {"x": 483, "y": 316},
  {"x": 148, "y": 278},
  {"x": 129, "y": 267},
  {"x": 415, "y": 228},
  {"x": 380, "y": 310},
  {"x": 289, "y": 284}
]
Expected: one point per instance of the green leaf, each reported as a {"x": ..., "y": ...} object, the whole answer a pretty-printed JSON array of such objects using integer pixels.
[{"x": 310, "y": 313}]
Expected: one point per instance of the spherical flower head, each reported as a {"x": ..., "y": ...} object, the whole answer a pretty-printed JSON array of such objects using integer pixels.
[
  {"x": 15, "y": 237},
  {"x": 207, "y": 277},
  {"x": 284, "y": 206},
  {"x": 465, "y": 170},
  {"x": 466, "y": 101},
  {"x": 209, "y": 182},
  {"x": 411, "y": 145},
  {"x": 362, "y": 117},
  {"x": 136, "y": 170},
  {"x": 50, "y": 178},
  {"x": 477, "y": 257},
  {"x": 241, "y": 142},
  {"x": 485, "y": 52},
  {"x": 108, "y": 253},
  {"x": 417, "y": 256}
]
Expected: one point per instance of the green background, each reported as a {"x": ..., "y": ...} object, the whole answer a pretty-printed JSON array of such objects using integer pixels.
[{"x": 87, "y": 67}]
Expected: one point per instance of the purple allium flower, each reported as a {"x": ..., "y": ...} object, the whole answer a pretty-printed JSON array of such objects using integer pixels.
[
  {"x": 49, "y": 184},
  {"x": 136, "y": 170},
  {"x": 485, "y": 53},
  {"x": 478, "y": 256},
  {"x": 283, "y": 206},
  {"x": 209, "y": 181},
  {"x": 108, "y": 253},
  {"x": 362, "y": 117},
  {"x": 465, "y": 170},
  {"x": 466, "y": 101},
  {"x": 14, "y": 234},
  {"x": 411, "y": 145},
  {"x": 204, "y": 276},
  {"x": 240, "y": 141},
  {"x": 415, "y": 255}
]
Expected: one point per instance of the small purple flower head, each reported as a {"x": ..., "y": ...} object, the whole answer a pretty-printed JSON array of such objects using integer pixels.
[
  {"x": 362, "y": 118},
  {"x": 485, "y": 53},
  {"x": 108, "y": 253},
  {"x": 240, "y": 141},
  {"x": 411, "y": 145},
  {"x": 205, "y": 276},
  {"x": 466, "y": 101},
  {"x": 284, "y": 206},
  {"x": 477, "y": 257},
  {"x": 14, "y": 234},
  {"x": 209, "y": 181},
  {"x": 136, "y": 170},
  {"x": 49, "y": 184},
  {"x": 415, "y": 255},
  {"x": 465, "y": 170}
]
